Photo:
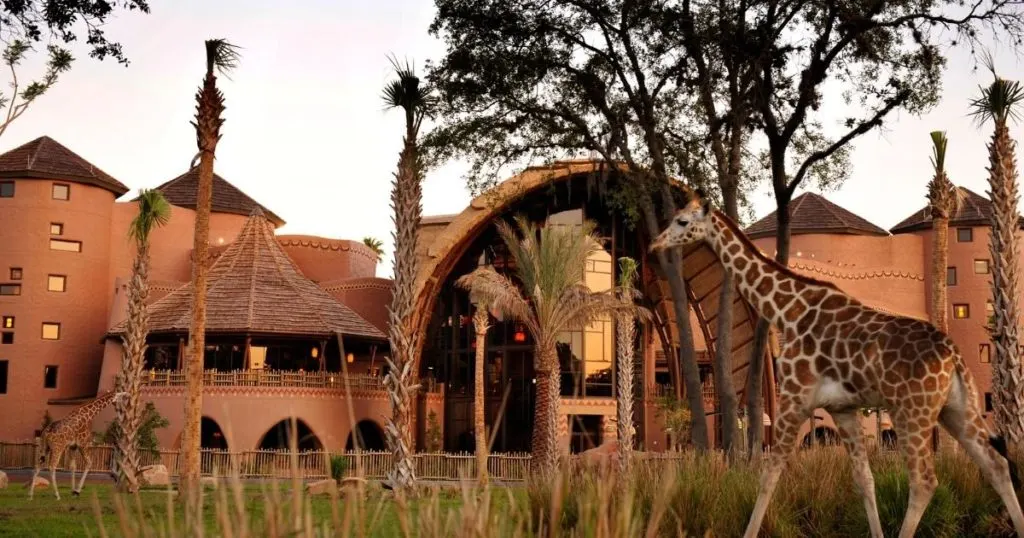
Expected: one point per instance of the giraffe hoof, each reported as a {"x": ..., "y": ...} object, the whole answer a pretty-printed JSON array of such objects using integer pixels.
[{"x": 76, "y": 493}]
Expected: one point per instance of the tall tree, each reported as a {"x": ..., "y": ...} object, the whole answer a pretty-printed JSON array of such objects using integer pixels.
[
  {"x": 22, "y": 96},
  {"x": 480, "y": 325},
  {"x": 62, "y": 21},
  {"x": 376, "y": 245},
  {"x": 887, "y": 55},
  {"x": 154, "y": 211},
  {"x": 942, "y": 203},
  {"x": 548, "y": 296},
  {"x": 406, "y": 93},
  {"x": 625, "y": 333},
  {"x": 221, "y": 56},
  {"x": 999, "y": 103}
]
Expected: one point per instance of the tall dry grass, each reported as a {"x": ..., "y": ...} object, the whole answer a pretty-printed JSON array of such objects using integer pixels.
[{"x": 694, "y": 496}]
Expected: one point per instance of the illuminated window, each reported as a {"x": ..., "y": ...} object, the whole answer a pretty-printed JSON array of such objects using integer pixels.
[
  {"x": 951, "y": 276},
  {"x": 56, "y": 228},
  {"x": 49, "y": 377},
  {"x": 8, "y": 322},
  {"x": 990, "y": 310},
  {"x": 16, "y": 273},
  {"x": 985, "y": 353},
  {"x": 7, "y": 338},
  {"x": 964, "y": 235},
  {"x": 10, "y": 289},
  {"x": 57, "y": 283},
  {"x": 61, "y": 191},
  {"x": 7, "y": 189},
  {"x": 67, "y": 246},
  {"x": 3, "y": 377},
  {"x": 981, "y": 267},
  {"x": 51, "y": 331},
  {"x": 961, "y": 311}
]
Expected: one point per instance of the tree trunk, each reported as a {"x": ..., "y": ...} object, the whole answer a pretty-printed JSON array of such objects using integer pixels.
[
  {"x": 728, "y": 406},
  {"x": 626, "y": 343},
  {"x": 545, "y": 451},
  {"x": 128, "y": 410},
  {"x": 208, "y": 121},
  {"x": 479, "y": 423},
  {"x": 1007, "y": 372},
  {"x": 406, "y": 202},
  {"x": 940, "y": 261}
]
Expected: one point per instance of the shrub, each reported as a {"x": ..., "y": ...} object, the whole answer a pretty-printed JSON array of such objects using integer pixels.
[{"x": 339, "y": 464}]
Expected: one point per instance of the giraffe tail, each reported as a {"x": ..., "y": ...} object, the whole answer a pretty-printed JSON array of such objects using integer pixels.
[{"x": 999, "y": 444}]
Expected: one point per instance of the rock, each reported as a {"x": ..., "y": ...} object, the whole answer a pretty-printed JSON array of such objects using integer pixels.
[
  {"x": 320, "y": 487},
  {"x": 208, "y": 482},
  {"x": 40, "y": 483},
  {"x": 3, "y": 480},
  {"x": 154, "y": 475}
]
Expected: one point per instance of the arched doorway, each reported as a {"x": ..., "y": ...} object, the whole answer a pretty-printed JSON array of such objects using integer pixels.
[
  {"x": 823, "y": 436},
  {"x": 279, "y": 436},
  {"x": 370, "y": 435},
  {"x": 210, "y": 435}
]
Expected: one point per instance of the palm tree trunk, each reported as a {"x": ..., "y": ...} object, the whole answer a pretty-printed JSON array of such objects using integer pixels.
[
  {"x": 210, "y": 106},
  {"x": 625, "y": 340},
  {"x": 940, "y": 260},
  {"x": 479, "y": 424},
  {"x": 406, "y": 202},
  {"x": 544, "y": 445},
  {"x": 1008, "y": 375},
  {"x": 129, "y": 412}
]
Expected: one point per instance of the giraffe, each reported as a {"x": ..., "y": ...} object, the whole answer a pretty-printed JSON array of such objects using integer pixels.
[
  {"x": 842, "y": 355},
  {"x": 72, "y": 431}
]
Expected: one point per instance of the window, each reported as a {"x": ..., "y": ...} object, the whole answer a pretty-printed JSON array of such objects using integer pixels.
[
  {"x": 951, "y": 276},
  {"x": 3, "y": 377},
  {"x": 6, "y": 189},
  {"x": 56, "y": 228},
  {"x": 61, "y": 191},
  {"x": 57, "y": 283},
  {"x": 985, "y": 353},
  {"x": 964, "y": 235},
  {"x": 990, "y": 310},
  {"x": 49, "y": 377},
  {"x": 988, "y": 402},
  {"x": 65, "y": 245},
  {"x": 51, "y": 331},
  {"x": 7, "y": 338},
  {"x": 10, "y": 289},
  {"x": 16, "y": 273},
  {"x": 981, "y": 267},
  {"x": 8, "y": 322},
  {"x": 961, "y": 311}
]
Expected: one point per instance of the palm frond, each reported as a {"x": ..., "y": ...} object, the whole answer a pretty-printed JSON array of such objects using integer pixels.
[
  {"x": 406, "y": 90},
  {"x": 154, "y": 211},
  {"x": 221, "y": 55},
  {"x": 628, "y": 271},
  {"x": 939, "y": 142},
  {"x": 486, "y": 286},
  {"x": 999, "y": 101},
  {"x": 579, "y": 306}
]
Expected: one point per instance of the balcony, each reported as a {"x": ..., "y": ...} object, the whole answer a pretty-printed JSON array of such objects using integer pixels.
[{"x": 278, "y": 379}]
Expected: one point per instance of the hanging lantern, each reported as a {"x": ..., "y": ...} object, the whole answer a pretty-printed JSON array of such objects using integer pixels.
[
  {"x": 350, "y": 358},
  {"x": 315, "y": 353},
  {"x": 520, "y": 334}
]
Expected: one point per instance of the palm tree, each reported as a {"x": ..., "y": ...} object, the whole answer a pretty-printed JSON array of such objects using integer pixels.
[
  {"x": 626, "y": 341},
  {"x": 998, "y": 102},
  {"x": 404, "y": 92},
  {"x": 480, "y": 324},
  {"x": 154, "y": 211},
  {"x": 220, "y": 56},
  {"x": 376, "y": 245},
  {"x": 942, "y": 201},
  {"x": 550, "y": 297}
]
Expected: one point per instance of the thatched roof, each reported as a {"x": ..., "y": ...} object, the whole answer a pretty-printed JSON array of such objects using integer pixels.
[
  {"x": 812, "y": 213},
  {"x": 974, "y": 210},
  {"x": 45, "y": 158},
  {"x": 255, "y": 288},
  {"x": 227, "y": 198}
]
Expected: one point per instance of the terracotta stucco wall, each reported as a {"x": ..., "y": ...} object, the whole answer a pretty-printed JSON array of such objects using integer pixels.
[
  {"x": 323, "y": 260},
  {"x": 24, "y": 242}
]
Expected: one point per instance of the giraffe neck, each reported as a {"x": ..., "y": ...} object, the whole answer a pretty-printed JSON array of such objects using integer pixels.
[
  {"x": 91, "y": 409},
  {"x": 761, "y": 281}
]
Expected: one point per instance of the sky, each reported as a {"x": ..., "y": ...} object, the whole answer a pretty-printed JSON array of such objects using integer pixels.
[{"x": 307, "y": 135}]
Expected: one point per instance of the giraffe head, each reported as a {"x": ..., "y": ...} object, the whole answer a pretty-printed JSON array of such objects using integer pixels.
[{"x": 689, "y": 225}]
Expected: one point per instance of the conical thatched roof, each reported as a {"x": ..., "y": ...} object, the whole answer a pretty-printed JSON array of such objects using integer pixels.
[
  {"x": 226, "y": 198},
  {"x": 45, "y": 158},
  {"x": 255, "y": 288},
  {"x": 812, "y": 213},
  {"x": 974, "y": 210}
]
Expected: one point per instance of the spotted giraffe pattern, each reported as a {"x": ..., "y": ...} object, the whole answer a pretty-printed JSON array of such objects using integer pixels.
[
  {"x": 842, "y": 355},
  {"x": 71, "y": 432}
]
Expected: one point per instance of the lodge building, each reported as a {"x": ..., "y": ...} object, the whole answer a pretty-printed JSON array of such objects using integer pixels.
[{"x": 297, "y": 324}]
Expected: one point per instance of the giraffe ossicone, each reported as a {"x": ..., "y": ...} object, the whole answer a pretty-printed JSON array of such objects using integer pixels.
[
  {"x": 71, "y": 432},
  {"x": 842, "y": 355}
]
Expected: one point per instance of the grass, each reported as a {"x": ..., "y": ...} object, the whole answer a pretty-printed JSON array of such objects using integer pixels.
[{"x": 697, "y": 496}]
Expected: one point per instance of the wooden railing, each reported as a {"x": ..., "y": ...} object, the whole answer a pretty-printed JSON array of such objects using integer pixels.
[
  {"x": 707, "y": 389},
  {"x": 277, "y": 378}
]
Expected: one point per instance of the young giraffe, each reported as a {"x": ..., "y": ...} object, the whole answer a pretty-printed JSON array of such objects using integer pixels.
[
  {"x": 72, "y": 431},
  {"x": 841, "y": 355}
]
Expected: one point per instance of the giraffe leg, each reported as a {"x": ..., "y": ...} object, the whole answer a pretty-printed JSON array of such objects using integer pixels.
[
  {"x": 964, "y": 422},
  {"x": 915, "y": 441},
  {"x": 35, "y": 474},
  {"x": 87, "y": 462},
  {"x": 787, "y": 425},
  {"x": 54, "y": 458},
  {"x": 850, "y": 430}
]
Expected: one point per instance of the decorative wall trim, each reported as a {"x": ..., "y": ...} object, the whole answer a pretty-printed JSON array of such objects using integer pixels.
[
  {"x": 866, "y": 275},
  {"x": 336, "y": 245},
  {"x": 291, "y": 392},
  {"x": 362, "y": 283}
]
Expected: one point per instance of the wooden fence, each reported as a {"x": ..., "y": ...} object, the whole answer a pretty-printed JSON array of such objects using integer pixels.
[
  {"x": 278, "y": 463},
  {"x": 276, "y": 378}
]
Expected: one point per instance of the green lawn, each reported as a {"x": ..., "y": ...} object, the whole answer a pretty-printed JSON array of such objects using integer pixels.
[{"x": 46, "y": 517}]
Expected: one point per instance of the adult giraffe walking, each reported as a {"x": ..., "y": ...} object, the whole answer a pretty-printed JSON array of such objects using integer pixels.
[{"x": 842, "y": 356}]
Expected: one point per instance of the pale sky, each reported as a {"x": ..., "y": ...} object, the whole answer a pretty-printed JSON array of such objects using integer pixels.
[{"x": 307, "y": 136}]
